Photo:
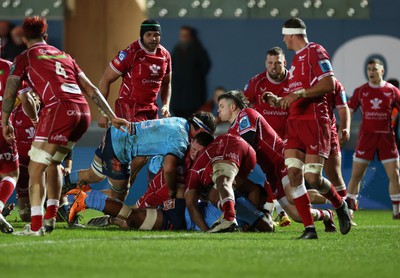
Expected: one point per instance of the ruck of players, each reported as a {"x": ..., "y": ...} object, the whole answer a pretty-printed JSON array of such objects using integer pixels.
[{"x": 199, "y": 178}]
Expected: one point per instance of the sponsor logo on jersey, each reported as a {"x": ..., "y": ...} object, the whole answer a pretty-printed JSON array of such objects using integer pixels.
[
  {"x": 31, "y": 132},
  {"x": 76, "y": 113},
  {"x": 234, "y": 156},
  {"x": 301, "y": 58},
  {"x": 360, "y": 152},
  {"x": 18, "y": 122},
  {"x": 275, "y": 112},
  {"x": 5, "y": 156},
  {"x": 141, "y": 59},
  {"x": 154, "y": 68},
  {"x": 59, "y": 137},
  {"x": 262, "y": 89},
  {"x": 244, "y": 123},
  {"x": 121, "y": 55},
  {"x": 71, "y": 88},
  {"x": 376, "y": 103},
  {"x": 387, "y": 94},
  {"x": 325, "y": 65},
  {"x": 365, "y": 94}
]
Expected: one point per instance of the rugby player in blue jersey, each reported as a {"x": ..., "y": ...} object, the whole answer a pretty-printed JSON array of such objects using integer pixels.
[{"x": 168, "y": 136}]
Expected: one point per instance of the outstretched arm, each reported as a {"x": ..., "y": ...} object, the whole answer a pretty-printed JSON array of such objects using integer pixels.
[
  {"x": 109, "y": 76},
  {"x": 165, "y": 92},
  {"x": 94, "y": 94}
]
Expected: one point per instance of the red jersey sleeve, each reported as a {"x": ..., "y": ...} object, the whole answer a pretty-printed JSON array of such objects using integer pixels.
[
  {"x": 19, "y": 67},
  {"x": 397, "y": 98},
  {"x": 340, "y": 96},
  {"x": 247, "y": 121},
  {"x": 354, "y": 101},
  {"x": 320, "y": 62},
  {"x": 250, "y": 91},
  {"x": 169, "y": 63},
  {"x": 123, "y": 61}
]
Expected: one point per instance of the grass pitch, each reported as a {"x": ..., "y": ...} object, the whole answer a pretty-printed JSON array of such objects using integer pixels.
[{"x": 372, "y": 249}]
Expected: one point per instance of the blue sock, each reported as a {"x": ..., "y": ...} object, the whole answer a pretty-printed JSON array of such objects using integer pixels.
[{"x": 96, "y": 200}]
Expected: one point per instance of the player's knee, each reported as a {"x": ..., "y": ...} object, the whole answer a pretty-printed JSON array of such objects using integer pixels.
[
  {"x": 294, "y": 163},
  {"x": 39, "y": 156},
  {"x": 224, "y": 174},
  {"x": 313, "y": 174},
  {"x": 119, "y": 189}
]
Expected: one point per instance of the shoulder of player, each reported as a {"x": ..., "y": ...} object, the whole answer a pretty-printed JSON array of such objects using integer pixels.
[{"x": 250, "y": 112}]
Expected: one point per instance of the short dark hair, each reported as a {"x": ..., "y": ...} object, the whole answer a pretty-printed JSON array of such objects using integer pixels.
[
  {"x": 295, "y": 22},
  {"x": 204, "y": 138},
  {"x": 34, "y": 27},
  {"x": 275, "y": 51},
  {"x": 237, "y": 96},
  {"x": 207, "y": 119},
  {"x": 375, "y": 61}
]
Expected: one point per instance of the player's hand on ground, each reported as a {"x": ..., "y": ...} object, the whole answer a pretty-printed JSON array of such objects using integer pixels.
[
  {"x": 344, "y": 136},
  {"x": 121, "y": 124},
  {"x": 165, "y": 111},
  {"x": 103, "y": 121},
  {"x": 8, "y": 133},
  {"x": 271, "y": 99}
]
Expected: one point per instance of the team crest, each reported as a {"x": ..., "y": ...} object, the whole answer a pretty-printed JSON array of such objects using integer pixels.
[
  {"x": 376, "y": 103},
  {"x": 244, "y": 123}
]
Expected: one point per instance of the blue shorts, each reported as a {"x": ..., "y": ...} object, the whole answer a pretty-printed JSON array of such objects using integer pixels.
[
  {"x": 111, "y": 166},
  {"x": 174, "y": 214}
]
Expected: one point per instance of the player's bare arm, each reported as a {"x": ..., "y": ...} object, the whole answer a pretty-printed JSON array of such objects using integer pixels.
[
  {"x": 170, "y": 164},
  {"x": 165, "y": 92},
  {"x": 322, "y": 87},
  {"x": 344, "y": 127},
  {"x": 191, "y": 198},
  {"x": 101, "y": 102},
  {"x": 10, "y": 94},
  {"x": 109, "y": 76}
]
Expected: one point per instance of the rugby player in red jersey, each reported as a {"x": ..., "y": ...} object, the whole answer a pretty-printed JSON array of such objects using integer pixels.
[
  {"x": 251, "y": 126},
  {"x": 9, "y": 156},
  {"x": 145, "y": 69},
  {"x": 64, "y": 117},
  {"x": 308, "y": 129},
  {"x": 376, "y": 98},
  {"x": 228, "y": 158},
  {"x": 273, "y": 79}
]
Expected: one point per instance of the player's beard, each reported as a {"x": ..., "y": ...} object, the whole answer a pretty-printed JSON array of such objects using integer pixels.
[{"x": 151, "y": 46}]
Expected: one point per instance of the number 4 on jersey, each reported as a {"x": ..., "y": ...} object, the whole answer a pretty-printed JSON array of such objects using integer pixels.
[{"x": 60, "y": 70}]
